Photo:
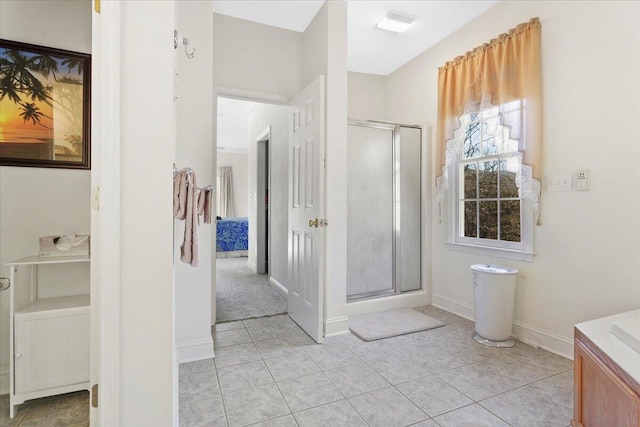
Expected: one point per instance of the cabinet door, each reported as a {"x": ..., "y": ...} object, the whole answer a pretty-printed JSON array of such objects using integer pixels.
[
  {"x": 602, "y": 398},
  {"x": 51, "y": 350}
]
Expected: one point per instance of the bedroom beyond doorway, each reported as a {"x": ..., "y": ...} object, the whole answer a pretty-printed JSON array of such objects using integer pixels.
[{"x": 252, "y": 190}]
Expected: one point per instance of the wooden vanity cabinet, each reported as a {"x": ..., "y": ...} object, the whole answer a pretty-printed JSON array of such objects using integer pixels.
[{"x": 604, "y": 394}]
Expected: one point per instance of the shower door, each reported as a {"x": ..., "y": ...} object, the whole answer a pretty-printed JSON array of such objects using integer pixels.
[{"x": 384, "y": 216}]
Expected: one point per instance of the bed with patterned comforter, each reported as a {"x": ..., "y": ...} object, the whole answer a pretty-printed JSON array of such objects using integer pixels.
[{"x": 232, "y": 234}]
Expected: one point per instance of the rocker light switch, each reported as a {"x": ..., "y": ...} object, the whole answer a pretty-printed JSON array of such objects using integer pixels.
[{"x": 558, "y": 183}]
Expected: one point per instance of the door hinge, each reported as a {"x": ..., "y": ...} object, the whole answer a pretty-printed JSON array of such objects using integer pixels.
[{"x": 94, "y": 396}]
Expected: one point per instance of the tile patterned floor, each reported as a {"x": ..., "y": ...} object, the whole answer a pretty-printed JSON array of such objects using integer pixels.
[
  {"x": 65, "y": 410},
  {"x": 268, "y": 372}
]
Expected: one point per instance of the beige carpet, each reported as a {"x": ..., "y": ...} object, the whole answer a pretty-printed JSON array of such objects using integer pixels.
[
  {"x": 386, "y": 324},
  {"x": 242, "y": 294}
]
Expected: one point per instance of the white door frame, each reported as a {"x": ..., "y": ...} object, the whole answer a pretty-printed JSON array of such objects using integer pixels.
[
  {"x": 263, "y": 221},
  {"x": 106, "y": 107}
]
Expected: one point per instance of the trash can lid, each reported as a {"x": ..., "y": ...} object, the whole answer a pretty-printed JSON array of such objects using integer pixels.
[{"x": 493, "y": 269}]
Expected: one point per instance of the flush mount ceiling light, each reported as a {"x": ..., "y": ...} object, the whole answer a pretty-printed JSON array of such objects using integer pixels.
[{"x": 396, "y": 22}]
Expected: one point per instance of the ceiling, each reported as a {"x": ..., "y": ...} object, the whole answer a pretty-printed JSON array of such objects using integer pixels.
[
  {"x": 370, "y": 50},
  {"x": 294, "y": 15},
  {"x": 381, "y": 52}
]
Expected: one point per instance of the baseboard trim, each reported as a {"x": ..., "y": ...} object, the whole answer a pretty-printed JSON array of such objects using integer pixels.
[
  {"x": 278, "y": 287},
  {"x": 393, "y": 302},
  {"x": 452, "y": 305},
  {"x": 525, "y": 332},
  {"x": 538, "y": 337},
  {"x": 192, "y": 351},
  {"x": 336, "y": 326},
  {"x": 4, "y": 380}
]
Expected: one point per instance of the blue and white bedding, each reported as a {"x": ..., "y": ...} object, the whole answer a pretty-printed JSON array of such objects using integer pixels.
[{"x": 232, "y": 234}]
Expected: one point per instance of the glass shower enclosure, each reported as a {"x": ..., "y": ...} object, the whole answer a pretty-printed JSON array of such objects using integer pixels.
[{"x": 384, "y": 209}]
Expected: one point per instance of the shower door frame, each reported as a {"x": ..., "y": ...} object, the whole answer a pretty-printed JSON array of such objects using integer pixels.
[{"x": 396, "y": 208}]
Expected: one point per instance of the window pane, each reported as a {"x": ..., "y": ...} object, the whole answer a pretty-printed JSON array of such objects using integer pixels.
[
  {"x": 469, "y": 220},
  {"x": 508, "y": 187},
  {"x": 489, "y": 220},
  {"x": 489, "y": 145},
  {"x": 510, "y": 220},
  {"x": 488, "y": 179},
  {"x": 472, "y": 140},
  {"x": 470, "y": 177},
  {"x": 488, "y": 140}
]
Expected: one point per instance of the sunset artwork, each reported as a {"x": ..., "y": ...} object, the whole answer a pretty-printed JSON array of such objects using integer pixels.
[{"x": 44, "y": 106}]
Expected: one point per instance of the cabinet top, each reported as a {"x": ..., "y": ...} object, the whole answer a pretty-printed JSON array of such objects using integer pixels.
[
  {"x": 35, "y": 259},
  {"x": 599, "y": 332}
]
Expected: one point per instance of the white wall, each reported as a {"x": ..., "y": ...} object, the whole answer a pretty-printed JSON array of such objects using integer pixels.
[
  {"x": 256, "y": 57},
  {"x": 239, "y": 168},
  {"x": 366, "y": 96},
  {"x": 588, "y": 245},
  {"x": 194, "y": 149},
  {"x": 261, "y": 117},
  {"x": 147, "y": 296},
  {"x": 42, "y": 201}
]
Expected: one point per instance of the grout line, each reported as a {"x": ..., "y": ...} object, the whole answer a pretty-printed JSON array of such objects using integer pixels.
[
  {"x": 284, "y": 398},
  {"x": 357, "y": 412},
  {"x": 224, "y": 405},
  {"x": 491, "y": 412}
]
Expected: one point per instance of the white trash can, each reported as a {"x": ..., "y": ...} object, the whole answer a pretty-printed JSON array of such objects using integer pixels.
[{"x": 494, "y": 289}]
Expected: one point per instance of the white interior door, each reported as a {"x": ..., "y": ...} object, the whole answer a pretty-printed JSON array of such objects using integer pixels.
[{"x": 306, "y": 210}]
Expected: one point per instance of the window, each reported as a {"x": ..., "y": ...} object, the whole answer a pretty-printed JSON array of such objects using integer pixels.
[
  {"x": 485, "y": 169},
  {"x": 489, "y": 140}
]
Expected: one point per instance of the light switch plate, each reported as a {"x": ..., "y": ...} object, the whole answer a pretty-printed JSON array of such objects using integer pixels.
[
  {"x": 561, "y": 182},
  {"x": 582, "y": 180}
]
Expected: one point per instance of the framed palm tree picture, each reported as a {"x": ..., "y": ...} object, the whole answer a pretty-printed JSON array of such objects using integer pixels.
[{"x": 44, "y": 106}]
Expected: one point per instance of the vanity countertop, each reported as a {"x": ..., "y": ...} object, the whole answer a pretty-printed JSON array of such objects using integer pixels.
[{"x": 598, "y": 332}]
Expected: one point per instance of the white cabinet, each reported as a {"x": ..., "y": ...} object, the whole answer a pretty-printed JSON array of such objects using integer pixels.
[{"x": 49, "y": 337}]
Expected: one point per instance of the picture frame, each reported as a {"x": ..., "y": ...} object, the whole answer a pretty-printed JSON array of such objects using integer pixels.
[{"x": 45, "y": 107}]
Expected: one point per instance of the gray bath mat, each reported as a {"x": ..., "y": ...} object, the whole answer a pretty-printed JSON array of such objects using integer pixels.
[{"x": 377, "y": 326}]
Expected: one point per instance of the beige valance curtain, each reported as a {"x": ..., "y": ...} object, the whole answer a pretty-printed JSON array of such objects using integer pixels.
[{"x": 504, "y": 72}]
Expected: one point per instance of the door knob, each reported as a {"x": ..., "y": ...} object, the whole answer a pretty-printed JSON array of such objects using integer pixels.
[
  {"x": 313, "y": 223},
  {"x": 4, "y": 284}
]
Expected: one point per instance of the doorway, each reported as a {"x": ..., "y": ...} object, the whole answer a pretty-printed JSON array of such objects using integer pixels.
[{"x": 252, "y": 190}]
